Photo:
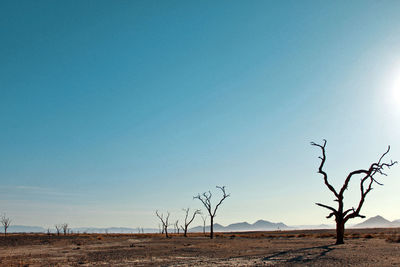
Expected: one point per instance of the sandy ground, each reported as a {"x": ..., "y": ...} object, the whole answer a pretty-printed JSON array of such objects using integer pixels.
[{"x": 377, "y": 247}]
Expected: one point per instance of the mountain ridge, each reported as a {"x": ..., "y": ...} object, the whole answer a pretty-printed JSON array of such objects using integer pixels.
[
  {"x": 377, "y": 222},
  {"x": 260, "y": 225}
]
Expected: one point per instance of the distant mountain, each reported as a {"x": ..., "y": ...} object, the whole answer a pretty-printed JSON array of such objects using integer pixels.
[
  {"x": 25, "y": 229},
  {"x": 259, "y": 225},
  {"x": 312, "y": 227},
  {"x": 239, "y": 226},
  {"x": 377, "y": 222},
  {"x": 89, "y": 230},
  {"x": 113, "y": 230}
]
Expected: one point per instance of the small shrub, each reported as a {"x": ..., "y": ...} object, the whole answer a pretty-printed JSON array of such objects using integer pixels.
[
  {"x": 393, "y": 238},
  {"x": 326, "y": 235},
  {"x": 355, "y": 236},
  {"x": 368, "y": 236}
]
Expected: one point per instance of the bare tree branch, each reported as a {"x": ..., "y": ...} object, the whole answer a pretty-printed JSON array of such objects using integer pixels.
[
  {"x": 320, "y": 169},
  {"x": 222, "y": 199}
]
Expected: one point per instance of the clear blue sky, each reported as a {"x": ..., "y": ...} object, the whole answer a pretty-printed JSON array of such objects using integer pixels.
[{"x": 110, "y": 110}]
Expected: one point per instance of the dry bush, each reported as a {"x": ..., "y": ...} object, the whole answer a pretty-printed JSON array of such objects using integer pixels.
[
  {"x": 355, "y": 235},
  {"x": 394, "y": 238},
  {"x": 368, "y": 236},
  {"x": 325, "y": 235},
  {"x": 301, "y": 235},
  {"x": 382, "y": 235}
]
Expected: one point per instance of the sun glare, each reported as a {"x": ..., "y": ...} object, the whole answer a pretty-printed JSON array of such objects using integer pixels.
[{"x": 394, "y": 93}]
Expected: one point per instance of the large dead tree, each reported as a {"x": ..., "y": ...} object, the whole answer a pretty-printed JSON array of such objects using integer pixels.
[
  {"x": 5, "y": 221},
  {"x": 188, "y": 222},
  {"x": 341, "y": 214},
  {"x": 205, "y": 198},
  {"x": 164, "y": 222}
]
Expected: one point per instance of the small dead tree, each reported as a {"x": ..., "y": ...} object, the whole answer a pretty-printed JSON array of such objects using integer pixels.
[
  {"x": 64, "y": 228},
  {"x": 204, "y": 218},
  {"x": 205, "y": 198},
  {"x": 58, "y": 228},
  {"x": 176, "y": 226},
  {"x": 366, "y": 182},
  {"x": 5, "y": 221},
  {"x": 164, "y": 222},
  {"x": 188, "y": 222}
]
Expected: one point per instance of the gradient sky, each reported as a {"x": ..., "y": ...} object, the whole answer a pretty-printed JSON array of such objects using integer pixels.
[{"x": 110, "y": 110}]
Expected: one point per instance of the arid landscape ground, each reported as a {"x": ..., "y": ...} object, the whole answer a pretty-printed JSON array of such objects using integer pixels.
[{"x": 363, "y": 247}]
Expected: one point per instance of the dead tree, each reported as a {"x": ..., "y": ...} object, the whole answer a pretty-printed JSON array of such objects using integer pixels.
[
  {"x": 205, "y": 198},
  {"x": 366, "y": 182},
  {"x": 64, "y": 227},
  {"x": 164, "y": 222},
  {"x": 5, "y": 221},
  {"x": 176, "y": 226},
  {"x": 58, "y": 228},
  {"x": 187, "y": 223},
  {"x": 204, "y": 218}
]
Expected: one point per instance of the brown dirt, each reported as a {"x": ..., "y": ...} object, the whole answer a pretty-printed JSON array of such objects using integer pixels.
[{"x": 372, "y": 247}]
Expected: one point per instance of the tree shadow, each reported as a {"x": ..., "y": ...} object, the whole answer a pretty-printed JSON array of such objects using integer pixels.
[{"x": 300, "y": 255}]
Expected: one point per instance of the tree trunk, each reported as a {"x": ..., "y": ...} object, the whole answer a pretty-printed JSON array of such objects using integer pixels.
[
  {"x": 339, "y": 232},
  {"x": 212, "y": 228},
  {"x": 185, "y": 232},
  {"x": 166, "y": 232}
]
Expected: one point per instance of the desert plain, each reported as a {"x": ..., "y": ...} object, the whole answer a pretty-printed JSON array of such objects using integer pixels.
[{"x": 363, "y": 247}]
